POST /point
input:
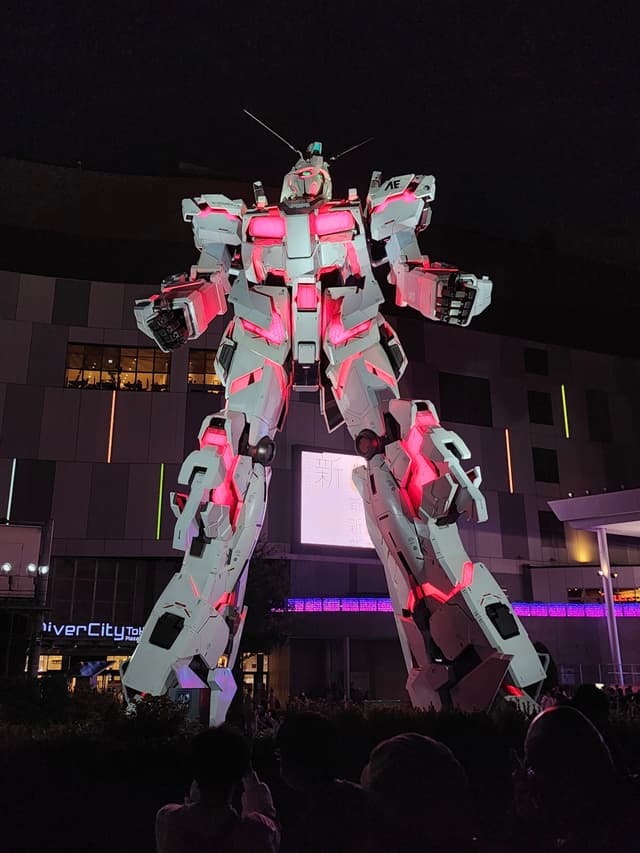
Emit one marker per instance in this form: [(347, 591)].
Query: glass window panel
[(102, 611), (92, 357), (196, 381), (90, 378), (104, 589), (145, 361), (144, 381), (84, 590), (111, 358), (160, 382), (106, 569), (75, 354), (86, 568), (65, 567), (128, 380), (123, 613), (73, 378), (161, 362), (210, 357), (63, 587), (196, 361), (128, 358)]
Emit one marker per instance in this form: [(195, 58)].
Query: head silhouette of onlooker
[(421, 789), (593, 703), (571, 781), (220, 760), (334, 815)]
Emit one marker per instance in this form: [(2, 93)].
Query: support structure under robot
[(306, 317)]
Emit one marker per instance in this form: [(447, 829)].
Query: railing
[(598, 673)]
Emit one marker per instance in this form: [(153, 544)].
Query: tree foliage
[(266, 597)]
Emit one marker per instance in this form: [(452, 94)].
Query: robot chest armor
[(295, 244)]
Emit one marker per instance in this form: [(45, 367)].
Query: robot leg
[(193, 634), (462, 643)]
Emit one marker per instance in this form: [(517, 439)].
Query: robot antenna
[(271, 130), (348, 150)]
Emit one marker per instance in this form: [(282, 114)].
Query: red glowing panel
[(272, 225), (333, 222), (244, 381), (209, 210), (307, 297), (194, 587), (352, 257), (213, 438), (425, 418), (420, 471), (513, 690), (428, 590), (227, 599), (274, 334), (339, 335), (407, 196)]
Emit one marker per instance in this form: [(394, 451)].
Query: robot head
[(309, 179)]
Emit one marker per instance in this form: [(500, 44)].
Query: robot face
[(309, 179)]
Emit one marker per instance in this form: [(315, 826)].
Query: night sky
[(527, 113)]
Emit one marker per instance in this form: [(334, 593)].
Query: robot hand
[(160, 320), (440, 293), (459, 297)]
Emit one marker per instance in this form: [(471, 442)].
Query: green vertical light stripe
[(160, 500), (564, 411)]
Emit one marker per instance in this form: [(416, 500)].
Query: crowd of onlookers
[(571, 788)]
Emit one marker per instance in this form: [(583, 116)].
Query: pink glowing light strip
[(553, 610)]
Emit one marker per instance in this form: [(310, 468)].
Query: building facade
[(94, 424)]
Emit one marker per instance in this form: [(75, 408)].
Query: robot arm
[(188, 303), (398, 210), (437, 291)]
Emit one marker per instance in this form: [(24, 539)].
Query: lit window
[(202, 372), (110, 368)]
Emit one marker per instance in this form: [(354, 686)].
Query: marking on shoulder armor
[(392, 185)]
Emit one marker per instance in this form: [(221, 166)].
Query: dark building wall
[(104, 509)]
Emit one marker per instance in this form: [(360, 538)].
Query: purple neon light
[(553, 610)]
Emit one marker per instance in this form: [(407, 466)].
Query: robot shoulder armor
[(215, 219)]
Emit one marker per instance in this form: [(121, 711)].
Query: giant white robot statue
[(306, 305)]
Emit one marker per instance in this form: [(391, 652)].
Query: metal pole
[(607, 586), (347, 668)]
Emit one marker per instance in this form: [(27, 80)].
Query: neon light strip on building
[(507, 442), (564, 411), (551, 610), (11, 485), (113, 416), (160, 500)]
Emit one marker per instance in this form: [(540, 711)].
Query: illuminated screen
[(331, 510)]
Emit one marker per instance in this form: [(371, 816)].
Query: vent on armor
[(332, 413), (392, 350), (503, 620), (166, 630), (225, 355)]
